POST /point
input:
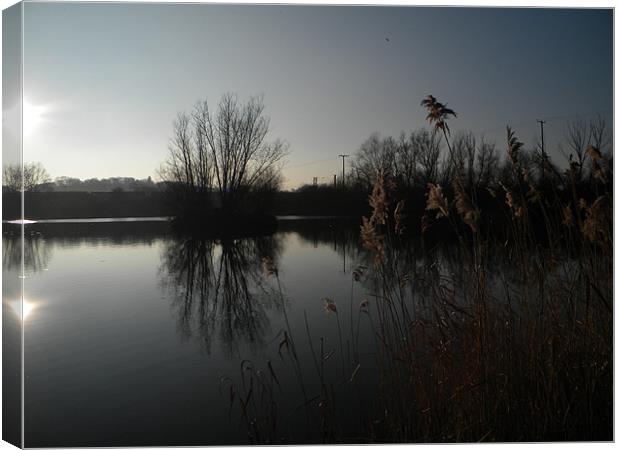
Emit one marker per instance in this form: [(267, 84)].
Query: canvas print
[(230, 224)]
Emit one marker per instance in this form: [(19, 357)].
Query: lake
[(134, 336)]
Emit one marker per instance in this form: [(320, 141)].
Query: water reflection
[(218, 288), (342, 235), (105, 234), (37, 253), (22, 309)]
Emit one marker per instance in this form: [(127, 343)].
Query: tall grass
[(467, 353), (530, 361)]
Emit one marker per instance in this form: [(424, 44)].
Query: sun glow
[(33, 116), (27, 308)]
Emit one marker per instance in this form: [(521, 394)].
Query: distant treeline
[(75, 205), (419, 163), (119, 184)]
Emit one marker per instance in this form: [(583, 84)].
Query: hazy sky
[(103, 82)]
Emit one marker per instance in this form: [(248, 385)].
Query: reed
[(465, 352)]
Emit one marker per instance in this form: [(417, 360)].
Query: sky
[(103, 82)]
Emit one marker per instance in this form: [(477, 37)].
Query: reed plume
[(594, 153), (378, 199), (372, 240), (435, 200), (372, 233), (513, 205), (514, 146), (464, 206), (438, 113), (330, 306), (593, 227)]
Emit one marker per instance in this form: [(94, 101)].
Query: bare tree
[(406, 160), (410, 160), (33, 175), (599, 133), (464, 148), (487, 164), (12, 178), (577, 137), (602, 140), (429, 150), (224, 151), (375, 155)]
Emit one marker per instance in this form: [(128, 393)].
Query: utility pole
[(335, 184), (343, 157), (542, 148)]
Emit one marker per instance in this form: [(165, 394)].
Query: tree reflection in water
[(37, 252), (219, 287)]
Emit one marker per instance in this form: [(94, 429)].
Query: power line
[(546, 119), (310, 163)]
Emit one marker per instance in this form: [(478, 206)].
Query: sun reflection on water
[(27, 309)]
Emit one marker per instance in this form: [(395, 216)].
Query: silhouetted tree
[(578, 136), (464, 147), (429, 150), (487, 164), (224, 151), (376, 154), (127, 184), (33, 175), (412, 160)]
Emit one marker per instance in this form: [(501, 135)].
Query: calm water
[(135, 337)]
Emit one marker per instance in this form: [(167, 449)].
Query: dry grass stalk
[(269, 267), (330, 306), (514, 146), (378, 201), (372, 240), (598, 172), (532, 194), (593, 227), (582, 204), (435, 200), (438, 113), (464, 206), (512, 204), (594, 153)]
